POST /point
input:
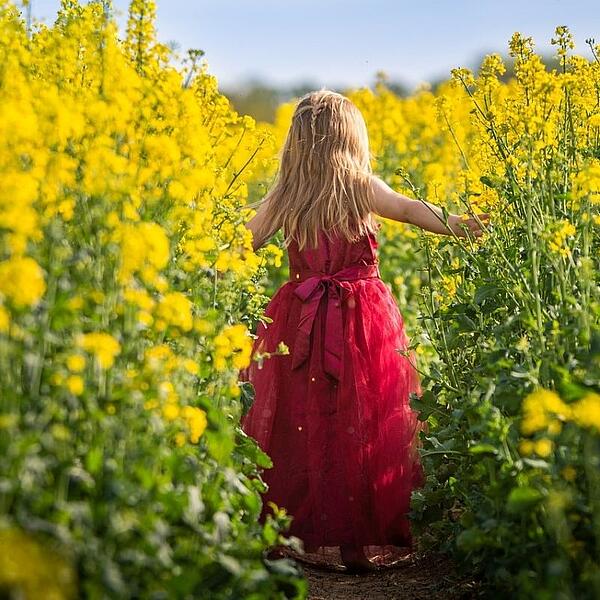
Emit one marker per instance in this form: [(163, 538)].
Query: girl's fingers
[(474, 225), (475, 229)]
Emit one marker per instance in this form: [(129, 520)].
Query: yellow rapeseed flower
[(75, 384), (76, 363), (102, 345), (203, 326), (538, 408), (170, 411), (140, 297), (143, 245), (543, 447), (586, 412), (196, 420), (191, 366), (75, 303), (526, 447), (569, 473), (21, 281), (151, 404), (4, 320), (557, 239), (34, 568), (273, 254), (167, 391), (175, 309), (235, 343)]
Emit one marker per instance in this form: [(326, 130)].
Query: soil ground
[(418, 576)]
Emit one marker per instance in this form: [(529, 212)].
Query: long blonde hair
[(324, 176)]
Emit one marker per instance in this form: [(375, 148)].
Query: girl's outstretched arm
[(393, 205)]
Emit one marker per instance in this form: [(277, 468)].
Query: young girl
[(334, 413)]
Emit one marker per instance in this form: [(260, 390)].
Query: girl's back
[(332, 254)]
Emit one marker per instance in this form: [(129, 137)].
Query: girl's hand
[(457, 222)]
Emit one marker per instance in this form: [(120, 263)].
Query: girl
[(334, 413)]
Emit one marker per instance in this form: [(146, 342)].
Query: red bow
[(310, 291)]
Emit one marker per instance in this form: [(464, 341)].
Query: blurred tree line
[(260, 99)]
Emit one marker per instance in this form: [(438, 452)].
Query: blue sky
[(336, 43)]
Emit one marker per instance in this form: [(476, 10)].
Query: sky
[(340, 43)]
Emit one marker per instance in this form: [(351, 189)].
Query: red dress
[(334, 414)]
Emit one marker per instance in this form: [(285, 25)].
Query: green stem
[(534, 263)]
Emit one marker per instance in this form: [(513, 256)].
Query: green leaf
[(492, 181), (486, 291), (522, 499), (466, 323), (93, 460), (247, 396), (252, 503), (220, 444), (269, 534), (483, 449), (424, 405), (470, 539), (249, 448)]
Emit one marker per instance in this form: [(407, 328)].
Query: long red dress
[(334, 414)]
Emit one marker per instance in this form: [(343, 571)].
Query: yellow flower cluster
[(272, 254), (558, 235), (586, 412), (586, 182), (144, 250), (194, 418), (545, 411), (122, 175), (144, 302), (21, 281), (176, 310), (74, 381), (162, 359), (102, 345), (538, 409), (196, 422), (235, 343), (542, 447), (4, 320), (35, 570), (449, 284)]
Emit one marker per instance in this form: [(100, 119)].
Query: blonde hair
[(324, 176)]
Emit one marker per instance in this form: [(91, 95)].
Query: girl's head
[(324, 178)]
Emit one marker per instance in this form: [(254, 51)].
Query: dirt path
[(418, 577)]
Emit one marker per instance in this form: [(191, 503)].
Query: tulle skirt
[(344, 451)]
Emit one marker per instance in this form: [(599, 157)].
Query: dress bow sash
[(313, 286)]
